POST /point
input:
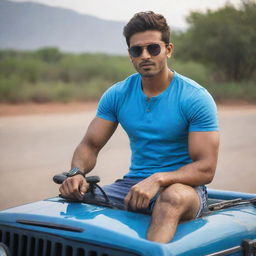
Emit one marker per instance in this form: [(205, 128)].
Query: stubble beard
[(148, 73)]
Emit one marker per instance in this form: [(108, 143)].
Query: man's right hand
[(74, 187)]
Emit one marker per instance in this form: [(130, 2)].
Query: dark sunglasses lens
[(135, 51), (154, 49)]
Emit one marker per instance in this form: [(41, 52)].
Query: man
[(172, 125)]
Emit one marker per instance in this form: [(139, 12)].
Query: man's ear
[(169, 48)]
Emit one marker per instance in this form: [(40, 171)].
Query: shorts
[(117, 191)]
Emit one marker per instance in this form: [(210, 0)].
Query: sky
[(175, 11)]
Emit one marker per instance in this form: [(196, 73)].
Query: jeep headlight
[(4, 251)]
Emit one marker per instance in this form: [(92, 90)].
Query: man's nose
[(145, 54)]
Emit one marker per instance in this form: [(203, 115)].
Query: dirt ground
[(38, 140), (44, 108)]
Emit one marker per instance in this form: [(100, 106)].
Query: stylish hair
[(144, 21)]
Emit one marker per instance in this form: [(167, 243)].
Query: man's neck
[(152, 86)]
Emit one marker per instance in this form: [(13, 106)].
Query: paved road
[(35, 147)]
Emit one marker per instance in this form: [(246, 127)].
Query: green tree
[(224, 39), (49, 55)]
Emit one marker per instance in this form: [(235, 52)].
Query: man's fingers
[(83, 187), (145, 203), (64, 189), (139, 202), (127, 200), (75, 187), (133, 202), (76, 190), (71, 187), (146, 200), (137, 199)]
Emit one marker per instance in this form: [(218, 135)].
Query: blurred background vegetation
[(217, 50)]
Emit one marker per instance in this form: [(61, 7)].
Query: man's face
[(147, 64)]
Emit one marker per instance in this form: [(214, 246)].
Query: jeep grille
[(23, 242)]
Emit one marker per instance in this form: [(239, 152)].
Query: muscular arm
[(203, 149), (98, 133), (85, 156)]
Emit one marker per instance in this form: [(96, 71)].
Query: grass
[(233, 91), (48, 75)]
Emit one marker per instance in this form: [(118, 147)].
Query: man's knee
[(177, 195)]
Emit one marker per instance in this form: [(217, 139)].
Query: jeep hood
[(127, 230)]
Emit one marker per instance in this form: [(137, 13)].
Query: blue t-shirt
[(158, 127)]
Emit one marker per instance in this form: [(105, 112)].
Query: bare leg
[(176, 202)]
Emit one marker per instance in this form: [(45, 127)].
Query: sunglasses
[(153, 50)]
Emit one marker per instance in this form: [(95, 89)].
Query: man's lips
[(146, 64)]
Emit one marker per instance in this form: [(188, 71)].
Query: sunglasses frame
[(147, 47)]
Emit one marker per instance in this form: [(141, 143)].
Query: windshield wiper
[(230, 203)]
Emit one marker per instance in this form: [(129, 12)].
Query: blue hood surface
[(127, 230)]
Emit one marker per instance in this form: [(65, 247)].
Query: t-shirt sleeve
[(106, 106), (201, 112)]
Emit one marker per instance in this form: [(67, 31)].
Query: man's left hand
[(140, 194)]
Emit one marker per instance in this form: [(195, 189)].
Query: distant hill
[(29, 26)]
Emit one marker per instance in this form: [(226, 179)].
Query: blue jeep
[(60, 227)]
